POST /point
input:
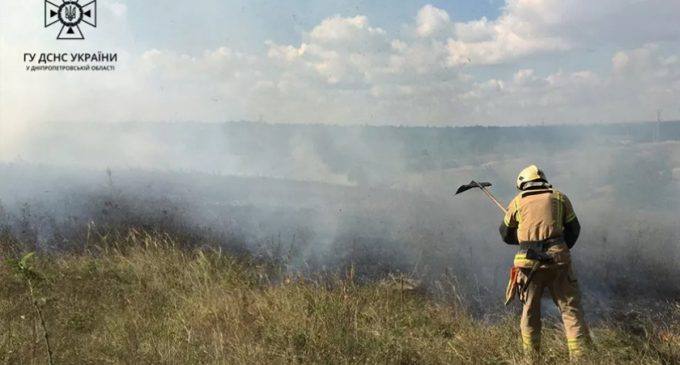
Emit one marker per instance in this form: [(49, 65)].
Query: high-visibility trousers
[(563, 287)]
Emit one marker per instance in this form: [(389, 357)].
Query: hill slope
[(141, 299)]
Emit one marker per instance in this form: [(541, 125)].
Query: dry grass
[(143, 300)]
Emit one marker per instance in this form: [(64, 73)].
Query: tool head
[(471, 185)]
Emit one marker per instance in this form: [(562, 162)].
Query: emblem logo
[(71, 14)]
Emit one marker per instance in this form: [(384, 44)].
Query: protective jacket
[(543, 219)]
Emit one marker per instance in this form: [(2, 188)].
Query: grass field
[(140, 299)]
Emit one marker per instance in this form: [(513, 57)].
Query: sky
[(481, 62)]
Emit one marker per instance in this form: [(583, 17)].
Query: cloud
[(330, 85), (339, 51), (425, 77), (431, 20), (435, 70), (529, 27), (639, 82), (344, 31), (586, 23)]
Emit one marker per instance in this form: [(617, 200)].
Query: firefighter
[(542, 222)]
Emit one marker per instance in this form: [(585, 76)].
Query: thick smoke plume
[(322, 199)]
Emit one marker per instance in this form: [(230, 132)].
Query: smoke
[(309, 166), (322, 198)]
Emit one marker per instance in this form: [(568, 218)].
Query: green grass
[(141, 299)]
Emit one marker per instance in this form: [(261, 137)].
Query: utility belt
[(541, 246), (531, 257), (532, 252)]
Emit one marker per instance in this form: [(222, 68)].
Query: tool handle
[(493, 198)]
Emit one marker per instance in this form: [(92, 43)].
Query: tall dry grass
[(141, 299)]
